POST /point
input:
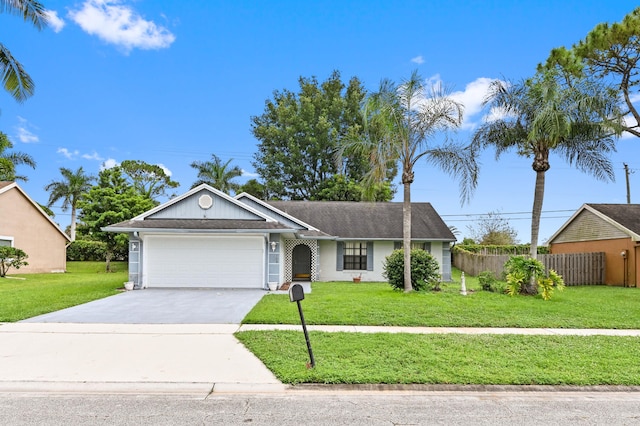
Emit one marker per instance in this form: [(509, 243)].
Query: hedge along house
[(610, 228), (24, 225), (206, 238)]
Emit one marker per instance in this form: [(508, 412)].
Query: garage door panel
[(205, 262)]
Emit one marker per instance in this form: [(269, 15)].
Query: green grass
[(448, 358), (29, 295), (345, 303)]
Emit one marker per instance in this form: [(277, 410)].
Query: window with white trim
[(355, 256)]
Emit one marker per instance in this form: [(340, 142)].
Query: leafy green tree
[(340, 188), (300, 132), (11, 257), (544, 114), (70, 189), (401, 123), (14, 78), (609, 53), (111, 201), (150, 180), (217, 174), (9, 160), (493, 229), (255, 188)]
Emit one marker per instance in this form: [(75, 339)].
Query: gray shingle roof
[(367, 220), (196, 224), (627, 215)]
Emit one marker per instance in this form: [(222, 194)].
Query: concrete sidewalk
[(195, 359)]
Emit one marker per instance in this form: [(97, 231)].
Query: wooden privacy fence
[(575, 268)]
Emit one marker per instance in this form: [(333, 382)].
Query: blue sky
[(171, 82)]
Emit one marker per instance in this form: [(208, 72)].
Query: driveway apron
[(162, 306), (154, 340)]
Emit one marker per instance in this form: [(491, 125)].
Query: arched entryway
[(301, 257)]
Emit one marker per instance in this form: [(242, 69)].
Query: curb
[(319, 387)]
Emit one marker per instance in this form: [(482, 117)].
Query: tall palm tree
[(401, 125), (217, 174), (547, 114), (10, 159), (14, 78), (70, 190)]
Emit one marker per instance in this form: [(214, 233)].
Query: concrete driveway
[(161, 306)]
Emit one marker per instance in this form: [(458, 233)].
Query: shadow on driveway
[(162, 306)]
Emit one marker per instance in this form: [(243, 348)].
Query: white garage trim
[(233, 261)]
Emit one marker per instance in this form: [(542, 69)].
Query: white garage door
[(204, 261)]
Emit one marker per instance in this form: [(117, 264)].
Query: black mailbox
[(296, 293)]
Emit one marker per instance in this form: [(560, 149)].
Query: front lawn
[(28, 295), (346, 303), (448, 358)]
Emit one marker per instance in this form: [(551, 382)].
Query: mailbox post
[(296, 294)]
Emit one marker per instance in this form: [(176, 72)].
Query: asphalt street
[(344, 408)]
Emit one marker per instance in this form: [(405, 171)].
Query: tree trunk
[(536, 213), (108, 257), (406, 236), (72, 228)]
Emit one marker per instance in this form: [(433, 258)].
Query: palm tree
[(216, 174), (14, 78), (400, 125), (547, 114), (9, 160), (70, 190)]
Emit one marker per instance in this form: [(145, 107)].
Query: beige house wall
[(33, 233), (620, 270)]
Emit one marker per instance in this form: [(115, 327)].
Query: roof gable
[(204, 202), (600, 222), (270, 210), (5, 187)]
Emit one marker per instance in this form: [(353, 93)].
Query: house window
[(355, 256), (6, 241)]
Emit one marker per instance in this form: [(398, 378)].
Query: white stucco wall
[(381, 249)]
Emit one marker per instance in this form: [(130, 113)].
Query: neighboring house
[(206, 238), (610, 228), (23, 224)]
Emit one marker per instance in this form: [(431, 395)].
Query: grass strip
[(28, 295), (345, 303), (359, 358)]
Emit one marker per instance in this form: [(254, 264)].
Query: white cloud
[(109, 163), (472, 98), (120, 25), (25, 135), (249, 174), (93, 156), (418, 60), (71, 155), (165, 169), (55, 22)]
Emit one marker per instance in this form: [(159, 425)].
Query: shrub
[(11, 257), (90, 250), (425, 271), (487, 280), (521, 270)]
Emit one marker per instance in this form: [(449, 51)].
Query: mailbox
[(296, 293)]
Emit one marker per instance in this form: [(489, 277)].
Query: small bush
[(425, 271), (487, 280), (11, 257), (521, 270)]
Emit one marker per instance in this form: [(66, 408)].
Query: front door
[(301, 263)]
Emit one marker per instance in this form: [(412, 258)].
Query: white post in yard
[(463, 285)]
